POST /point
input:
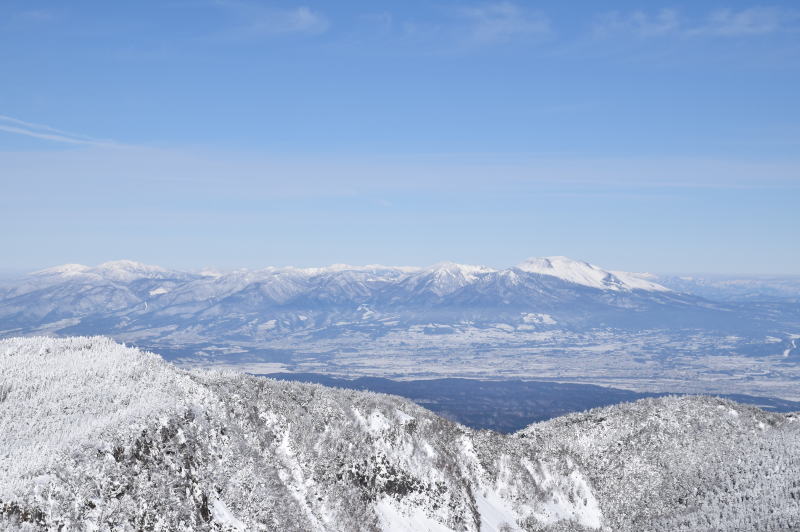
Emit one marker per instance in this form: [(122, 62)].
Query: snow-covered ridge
[(96, 436), (65, 270), (450, 274), (583, 273), (114, 267), (117, 270)]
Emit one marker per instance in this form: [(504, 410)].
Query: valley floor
[(647, 361)]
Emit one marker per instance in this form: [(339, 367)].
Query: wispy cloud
[(256, 20), (249, 175), (719, 23), (40, 131), (638, 23), (751, 21), (503, 21)]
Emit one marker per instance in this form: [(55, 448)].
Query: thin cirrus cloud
[(752, 21), (719, 23), (43, 132), (639, 23), (355, 173), (255, 20), (503, 21)]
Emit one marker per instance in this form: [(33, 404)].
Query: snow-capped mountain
[(140, 292), (97, 436), (586, 274), (118, 270), (444, 278), (133, 301)]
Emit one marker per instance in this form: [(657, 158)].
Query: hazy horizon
[(11, 272)]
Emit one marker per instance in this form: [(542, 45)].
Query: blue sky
[(224, 133)]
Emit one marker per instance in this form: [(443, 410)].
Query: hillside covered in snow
[(98, 436)]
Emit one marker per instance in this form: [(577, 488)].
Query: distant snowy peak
[(65, 270), (308, 272), (369, 268), (463, 269), (452, 270), (583, 273), (447, 277), (128, 270), (441, 278), (120, 270)]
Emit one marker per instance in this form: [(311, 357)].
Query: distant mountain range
[(753, 288), (547, 317), (97, 436), (124, 296)]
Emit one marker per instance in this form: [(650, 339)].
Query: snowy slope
[(685, 464), (585, 274), (96, 436)]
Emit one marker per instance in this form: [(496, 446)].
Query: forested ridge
[(98, 436)]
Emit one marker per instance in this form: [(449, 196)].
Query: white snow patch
[(375, 423), (224, 517), (584, 509), (402, 417), (589, 514), (496, 514), (268, 325), (378, 423), (539, 319), (366, 312), (394, 518), (792, 345)]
